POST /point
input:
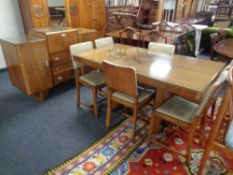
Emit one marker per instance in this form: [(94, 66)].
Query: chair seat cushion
[(142, 95), (179, 108), (229, 137), (93, 78)]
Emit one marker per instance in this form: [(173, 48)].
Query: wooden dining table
[(169, 74)]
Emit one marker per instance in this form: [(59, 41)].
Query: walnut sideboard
[(41, 60)]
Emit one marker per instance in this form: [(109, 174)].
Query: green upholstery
[(179, 108), (142, 95), (93, 78), (102, 42)]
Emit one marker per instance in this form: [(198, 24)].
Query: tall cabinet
[(86, 14), (34, 13)]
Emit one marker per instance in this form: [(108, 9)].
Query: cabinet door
[(61, 41), (35, 66), (100, 14)]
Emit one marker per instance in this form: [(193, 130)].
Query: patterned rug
[(116, 154)]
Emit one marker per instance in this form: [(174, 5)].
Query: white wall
[(10, 22), (54, 3)]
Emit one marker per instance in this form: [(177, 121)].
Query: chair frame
[(154, 36), (190, 127), (225, 106), (130, 32), (131, 90)]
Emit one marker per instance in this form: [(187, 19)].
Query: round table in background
[(225, 48)]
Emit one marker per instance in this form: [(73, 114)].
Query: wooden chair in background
[(123, 92), (154, 36), (154, 48), (130, 36), (102, 42), (213, 144), (186, 115), (94, 80), (215, 38)]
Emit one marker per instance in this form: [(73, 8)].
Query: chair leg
[(134, 121), (154, 121), (95, 104), (109, 109), (77, 87), (190, 142)]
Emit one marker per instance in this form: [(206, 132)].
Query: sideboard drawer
[(64, 76), (62, 68), (61, 41), (60, 58)]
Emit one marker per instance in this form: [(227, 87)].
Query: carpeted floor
[(37, 136)]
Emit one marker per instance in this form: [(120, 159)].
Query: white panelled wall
[(10, 22)]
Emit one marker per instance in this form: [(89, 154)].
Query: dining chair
[(122, 88), (94, 79), (154, 36), (130, 36), (213, 143), (186, 114), (102, 42), (154, 48)]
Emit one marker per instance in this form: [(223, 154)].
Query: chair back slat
[(79, 49), (120, 78), (102, 42)]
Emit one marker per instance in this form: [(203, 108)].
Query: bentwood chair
[(186, 114), (122, 88), (220, 122), (153, 36), (154, 48), (130, 36), (102, 42), (94, 80)]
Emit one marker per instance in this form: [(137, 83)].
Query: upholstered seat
[(229, 137), (94, 78), (179, 108), (102, 42), (142, 95)]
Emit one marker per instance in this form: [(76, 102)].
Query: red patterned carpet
[(116, 154)]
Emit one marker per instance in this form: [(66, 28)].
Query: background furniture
[(34, 14), (154, 36), (224, 48), (86, 14)]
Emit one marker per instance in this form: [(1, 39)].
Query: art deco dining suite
[(179, 89)]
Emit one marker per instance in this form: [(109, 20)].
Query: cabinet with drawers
[(58, 42)]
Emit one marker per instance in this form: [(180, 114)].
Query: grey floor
[(37, 136)]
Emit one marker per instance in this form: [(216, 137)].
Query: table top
[(225, 48), (171, 36), (186, 76)]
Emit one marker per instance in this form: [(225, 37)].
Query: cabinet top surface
[(22, 39), (52, 30)]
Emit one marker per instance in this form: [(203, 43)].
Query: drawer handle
[(60, 78), (57, 58), (63, 35)]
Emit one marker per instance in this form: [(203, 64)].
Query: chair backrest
[(130, 34), (102, 42), (77, 49), (212, 93), (120, 78), (154, 36), (154, 47)]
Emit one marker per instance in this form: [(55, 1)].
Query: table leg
[(161, 96)]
